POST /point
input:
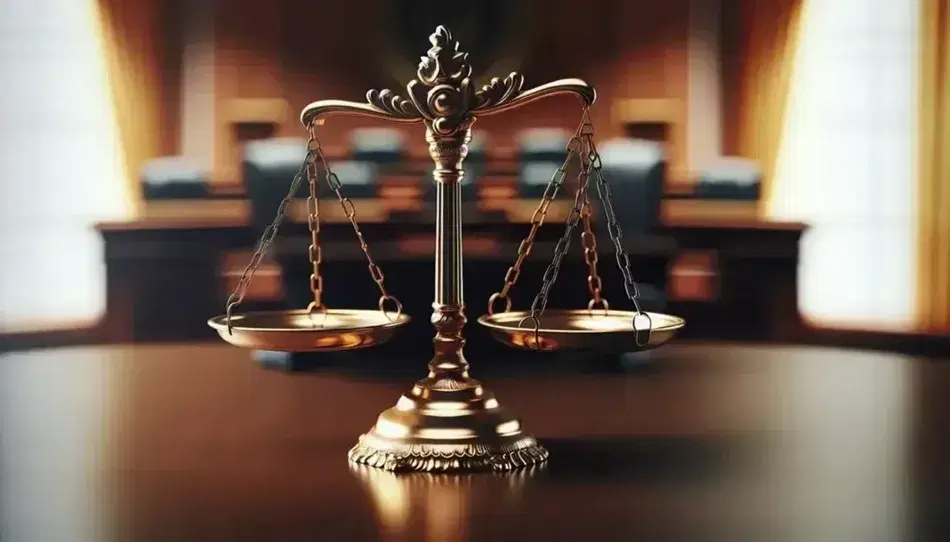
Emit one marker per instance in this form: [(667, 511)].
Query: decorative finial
[(443, 63), (443, 93)]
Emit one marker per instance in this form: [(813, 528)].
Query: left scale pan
[(306, 331), (316, 328)]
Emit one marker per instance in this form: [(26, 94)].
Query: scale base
[(447, 425)]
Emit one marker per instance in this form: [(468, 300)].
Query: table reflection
[(716, 442), (55, 420), (443, 503)]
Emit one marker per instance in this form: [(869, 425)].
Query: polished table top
[(696, 442)]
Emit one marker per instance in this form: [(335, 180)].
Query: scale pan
[(301, 331), (582, 329)]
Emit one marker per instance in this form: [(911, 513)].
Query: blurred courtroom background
[(777, 164)]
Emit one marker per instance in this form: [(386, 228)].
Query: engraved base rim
[(374, 451)]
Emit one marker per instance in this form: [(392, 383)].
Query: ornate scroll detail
[(443, 95), (499, 91), (392, 103), (443, 63), (451, 384), (443, 91), (522, 453), (516, 478)]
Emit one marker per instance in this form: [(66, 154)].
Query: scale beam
[(443, 94)]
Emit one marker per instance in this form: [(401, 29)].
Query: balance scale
[(449, 421)]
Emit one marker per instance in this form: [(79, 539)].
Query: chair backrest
[(382, 146), (474, 165), (543, 144), (357, 177), (635, 170), (269, 166), (476, 147), (172, 177), (730, 177), (541, 151)]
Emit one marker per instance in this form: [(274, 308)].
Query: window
[(59, 162), (846, 165)]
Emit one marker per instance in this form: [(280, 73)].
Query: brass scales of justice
[(449, 421)]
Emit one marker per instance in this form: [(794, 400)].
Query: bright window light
[(60, 166), (846, 165)]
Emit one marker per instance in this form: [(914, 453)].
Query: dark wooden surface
[(163, 279), (705, 442)]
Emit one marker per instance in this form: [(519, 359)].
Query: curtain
[(846, 161), (134, 45), (934, 173), (767, 34), (83, 104), (60, 164)]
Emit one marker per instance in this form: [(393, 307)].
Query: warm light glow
[(447, 513), (447, 409), (391, 430), (445, 434), (61, 164), (392, 498), (405, 404), (847, 160), (508, 428), (594, 323)]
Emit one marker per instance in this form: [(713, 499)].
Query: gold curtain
[(934, 172), (132, 42), (768, 39)]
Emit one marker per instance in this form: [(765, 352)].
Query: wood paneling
[(730, 50), (763, 39), (301, 52), (933, 292), (297, 51), (140, 48)]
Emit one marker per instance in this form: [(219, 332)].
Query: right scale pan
[(597, 327), (583, 329)]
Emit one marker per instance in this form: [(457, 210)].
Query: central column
[(448, 368), (448, 421)]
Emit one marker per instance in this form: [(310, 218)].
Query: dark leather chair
[(541, 151), (269, 166), (635, 170), (359, 178), (730, 178), (474, 164), (172, 177), (385, 147)]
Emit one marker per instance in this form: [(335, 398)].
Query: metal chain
[(589, 240), (270, 232), (563, 245), (537, 220), (613, 227), (560, 250), (350, 211), (590, 164), (583, 179), (313, 223), (616, 236)]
